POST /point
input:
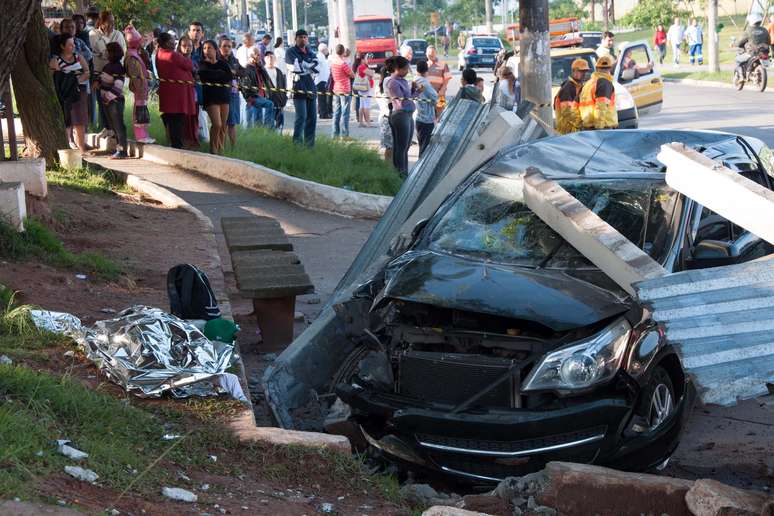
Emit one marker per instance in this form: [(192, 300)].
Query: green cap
[(221, 330)]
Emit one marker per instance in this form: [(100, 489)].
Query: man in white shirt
[(675, 36), (695, 39), (243, 52), (324, 101)]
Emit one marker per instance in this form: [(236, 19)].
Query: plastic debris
[(205, 487), (70, 353), (214, 458), (170, 437), (69, 451), (5, 360), (181, 495), (86, 475), (326, 507), (80, 276)]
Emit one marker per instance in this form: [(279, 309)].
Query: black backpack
[(190, 294)]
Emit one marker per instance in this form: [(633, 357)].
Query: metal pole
[(277, 19), (294, 14), (397, 21), (268, 16), (535, 62), (712, 34), (245, 19), (488, 6)]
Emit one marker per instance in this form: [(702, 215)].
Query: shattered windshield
[(490, 221)]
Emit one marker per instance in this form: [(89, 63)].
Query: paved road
[(749, 113)]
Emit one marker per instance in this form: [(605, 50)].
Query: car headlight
[(388, 54), (592, 361)]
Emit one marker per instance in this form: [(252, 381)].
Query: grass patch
[(87, 179), (722, 76), (344, 164), (40, 242)]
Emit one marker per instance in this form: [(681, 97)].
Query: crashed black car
[(490, 345)]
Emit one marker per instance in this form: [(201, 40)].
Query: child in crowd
[(112, 95), (138, 84)]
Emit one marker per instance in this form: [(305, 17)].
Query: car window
[(561, 67), (489, 220), (486, 42), (634, 64)]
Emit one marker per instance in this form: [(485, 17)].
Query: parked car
[(479, 52), (419, 48), (489, 345)]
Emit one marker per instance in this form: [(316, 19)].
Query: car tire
[(658, 399)]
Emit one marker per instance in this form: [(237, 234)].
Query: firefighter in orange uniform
[(567, 100), (597, 99)]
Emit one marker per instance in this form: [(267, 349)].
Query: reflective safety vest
[(567, 107), (597, 103)]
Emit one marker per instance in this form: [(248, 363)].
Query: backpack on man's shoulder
[(190, 293)]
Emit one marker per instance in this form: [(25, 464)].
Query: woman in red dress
[(176, 100)]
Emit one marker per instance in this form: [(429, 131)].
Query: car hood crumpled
[(558, 299)]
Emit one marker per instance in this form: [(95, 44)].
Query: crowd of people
[(208, 87)]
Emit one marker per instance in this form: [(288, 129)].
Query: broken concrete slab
[(245, 429), (613, 253), (582, 489), (31, 172), (13, 209), (712, 498), (445, 510), (487, 504), (729, 194)]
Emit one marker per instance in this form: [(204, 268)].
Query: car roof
[(614, 154), (575, 51)]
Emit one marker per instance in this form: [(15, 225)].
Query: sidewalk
[(326, 244)]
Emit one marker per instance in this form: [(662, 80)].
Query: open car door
[(635, 70)]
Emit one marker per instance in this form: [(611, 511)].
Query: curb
[(307, 194), (708, 84)]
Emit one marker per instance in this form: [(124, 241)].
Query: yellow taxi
[(639, 89)]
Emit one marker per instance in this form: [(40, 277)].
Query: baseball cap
[(605, 62), (301, 32)]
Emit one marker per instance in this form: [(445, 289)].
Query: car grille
[(377, 55), (542, 444), (451, 378)]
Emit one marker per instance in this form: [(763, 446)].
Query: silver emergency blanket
[(147, 351)]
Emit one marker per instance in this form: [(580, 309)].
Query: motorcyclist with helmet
[(755, 40)]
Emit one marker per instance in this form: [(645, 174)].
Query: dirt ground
[(146, 239)]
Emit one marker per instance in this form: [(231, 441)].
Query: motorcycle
[(752, 70)]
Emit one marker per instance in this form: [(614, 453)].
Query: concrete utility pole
[(488, 6), (294, 14), (268, 15), (712, 35), (535, 62), (245, 18), (277, 19), (398, 37)]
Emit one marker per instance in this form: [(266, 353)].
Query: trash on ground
[(80, 473), (70, 353), (147, 351), (170, 437), (69, 451), (80, 276), (176, 493), (229, 382), (5, 360)]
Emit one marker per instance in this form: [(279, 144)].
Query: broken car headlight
[(591, 361)]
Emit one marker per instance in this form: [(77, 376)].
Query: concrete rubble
[(423, 495), (712, 498)]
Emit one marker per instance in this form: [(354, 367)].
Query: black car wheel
[(661, 398)]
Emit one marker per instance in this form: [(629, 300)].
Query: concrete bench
[(267, 272)]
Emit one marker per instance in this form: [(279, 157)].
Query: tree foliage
[(565, 9), (650, 13), (174, 14)]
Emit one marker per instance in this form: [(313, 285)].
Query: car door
[(635, 70)]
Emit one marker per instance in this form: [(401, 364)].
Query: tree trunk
[(13, 28), (39, 108), (488, 10), (593, 11), (612, 12)]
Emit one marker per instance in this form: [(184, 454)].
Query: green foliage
[(649, 13), (177, 14), (87, 179), (40, 242), (565, 9)]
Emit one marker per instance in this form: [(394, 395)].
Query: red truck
[(375, 29)]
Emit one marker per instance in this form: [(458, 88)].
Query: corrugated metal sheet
[(721, 321)]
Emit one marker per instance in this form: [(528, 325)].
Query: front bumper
[(488, 446)]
